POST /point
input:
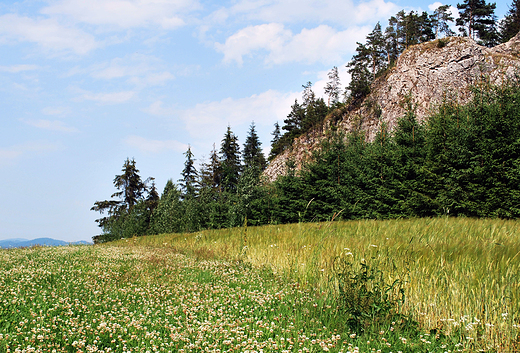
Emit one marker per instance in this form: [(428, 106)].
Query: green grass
[(267, 289)]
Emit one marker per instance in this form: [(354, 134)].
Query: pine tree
[(510, 25), (440, 18), (252, 154), (189, 176), (360, 76), (377, 55), (477, 19), (230, 161), (333, 87)]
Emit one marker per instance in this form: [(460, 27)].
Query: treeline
[(461, 161)]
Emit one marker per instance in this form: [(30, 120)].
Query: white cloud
[(125, 14), (140, 70), (157, 108), (47, 33), (154, 146), (107, 98), (345, 12), (321, 44), (206, 120), (270, 37), (58, 111), (18, 68), (52, 125), (10, 154)]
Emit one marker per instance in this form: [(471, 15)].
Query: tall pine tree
[(477, 20)]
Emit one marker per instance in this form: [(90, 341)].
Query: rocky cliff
[(424, 75)]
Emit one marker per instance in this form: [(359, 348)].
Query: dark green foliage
[(477, 20), (473, 154), (510, 25), (289, 202)]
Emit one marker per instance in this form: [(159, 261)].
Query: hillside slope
[(425, 75)]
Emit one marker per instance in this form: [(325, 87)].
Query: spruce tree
[(230, 161), (210, 173), (510, 25), (252, 154), (189, 176)]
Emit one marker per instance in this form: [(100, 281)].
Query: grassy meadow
[(268, 289)]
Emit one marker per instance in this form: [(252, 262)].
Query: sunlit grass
[(462, 275)]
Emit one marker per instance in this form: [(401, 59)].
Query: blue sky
[(86, 84)]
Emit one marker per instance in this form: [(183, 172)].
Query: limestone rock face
[(424, 76)]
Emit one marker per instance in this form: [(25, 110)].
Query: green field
[(267, 289)]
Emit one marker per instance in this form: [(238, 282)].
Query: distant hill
[(20, 243)]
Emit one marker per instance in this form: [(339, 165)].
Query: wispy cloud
[(154, 146), (138, 69), (56, 111), (158, 108), (47, 33), (125, 14), (18, 68), (12, 153), (107, 98), (51, 125)]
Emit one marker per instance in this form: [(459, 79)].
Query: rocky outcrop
[(424, 76)]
